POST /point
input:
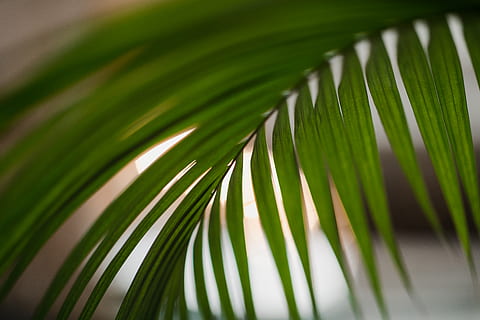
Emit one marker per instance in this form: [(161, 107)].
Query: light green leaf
[(312, 160), (448, 77), (289, 180), (386, 97), (269, 217), (340, 162), (361, 136), (421, 91)]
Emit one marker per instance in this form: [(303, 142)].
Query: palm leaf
[(221, 69), (340, 162), (269, 217), (215, 244), (447, 74), (418, 81), (236, 230), (317, 180), (385, 94), (201, 291), (361, 135), (291, 192)]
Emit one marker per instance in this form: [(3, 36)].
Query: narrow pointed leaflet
[(340, 162), (361, 136), (234, 217), (269, 217), (418, 81), (289, 180), (215, 245), (448, 78), (384, 91), (312, 160)]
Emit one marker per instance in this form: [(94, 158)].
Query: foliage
[(222, 68)]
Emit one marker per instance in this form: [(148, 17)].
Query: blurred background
[(31, 30)]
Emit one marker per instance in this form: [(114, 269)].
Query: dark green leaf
[(173, 66), (132, 202), (114, 266), (151, 183), (471, 31), (146, 290), (174, 292), (215, 245), (198, 267), (236, 230)]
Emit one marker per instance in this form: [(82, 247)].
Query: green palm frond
[(219, 72)]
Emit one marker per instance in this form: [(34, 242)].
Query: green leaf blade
[(385, 94), (448, 77), (146, 290), (471, 32), (289, 180), (114, 266), (421, 91), (235, 225), (312, 160), (361, 136), (339, 159), (198, 267), (140, 193), (215, 245), (269, 217)]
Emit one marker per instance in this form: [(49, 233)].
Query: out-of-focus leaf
[(471, 32), (182, 23), (175, 292), (145, 189), (55, 213), (198, 267), (154, 180), (236, 230), (116, 263), (185, 64), (146, 290), (215, 245)]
